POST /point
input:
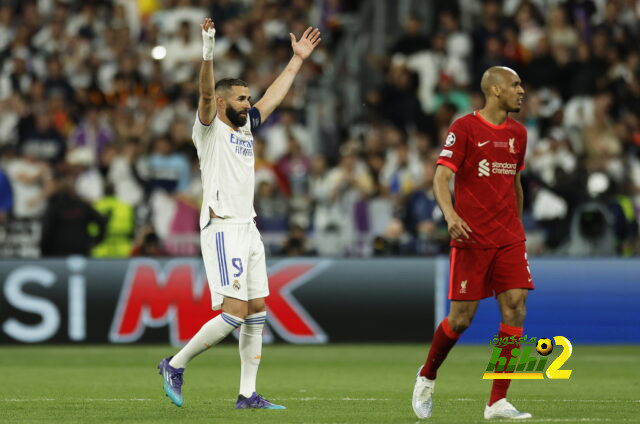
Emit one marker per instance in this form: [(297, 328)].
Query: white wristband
[(208, 41)]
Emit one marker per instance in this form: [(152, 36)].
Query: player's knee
[(257, 305), (238, 313), (521, 311), (460, 323), (237, 308), (514, 313)]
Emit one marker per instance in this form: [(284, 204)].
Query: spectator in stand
[(294, 165), (123, 173), (402, 106), (81, 75), (119, 226), (30, 183), (6, 197), (297, 243), (147, 243), (93, 133), (394, 241), (41, 139), (422, 216), (271, 208), (183, 49), (413, 38), (167, 169), (458, 42), (277, 136), (401, 173), (66, 223)]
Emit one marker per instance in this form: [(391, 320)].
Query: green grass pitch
[(319, 384)]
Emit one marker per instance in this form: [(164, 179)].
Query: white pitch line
[(570, 420), (78, 400), (311, 399), (573, 420), (557, 400)]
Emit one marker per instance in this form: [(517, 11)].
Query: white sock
[(250, 351), (209, 334)]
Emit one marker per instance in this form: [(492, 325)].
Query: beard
[(238, 119), (510, 108)]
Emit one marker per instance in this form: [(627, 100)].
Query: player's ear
[(495, 89)]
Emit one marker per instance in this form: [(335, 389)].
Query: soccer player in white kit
[(232, 249)]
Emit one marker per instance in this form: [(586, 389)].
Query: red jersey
[(485, 158)]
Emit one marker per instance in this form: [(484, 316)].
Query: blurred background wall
[(312, 300)]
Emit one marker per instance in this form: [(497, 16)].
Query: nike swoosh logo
[(483, 143)]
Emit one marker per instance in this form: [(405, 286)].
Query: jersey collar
[(489, 124)]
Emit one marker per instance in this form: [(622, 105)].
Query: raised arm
[(458, 228), (207, 100), (279, 88)]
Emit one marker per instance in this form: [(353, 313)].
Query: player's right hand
[(458, 228), (208, 38), (206, 24)]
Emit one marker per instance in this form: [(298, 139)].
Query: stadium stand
[(103, 94)]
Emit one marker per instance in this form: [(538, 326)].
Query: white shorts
[(234, 259)]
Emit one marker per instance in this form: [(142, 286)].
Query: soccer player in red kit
[(485, 150)]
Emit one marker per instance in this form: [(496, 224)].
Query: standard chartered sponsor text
[(503, 168)]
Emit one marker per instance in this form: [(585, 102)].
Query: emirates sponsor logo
[(504, 168)]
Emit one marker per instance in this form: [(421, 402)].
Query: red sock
[(500, 387), (443, 340)]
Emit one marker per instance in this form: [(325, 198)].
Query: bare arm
[(207, 100), (457, 226), (279, 88), (519, 195)]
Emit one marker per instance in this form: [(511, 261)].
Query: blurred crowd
[(97, 101)]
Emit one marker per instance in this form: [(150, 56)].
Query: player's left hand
[(309, 40)]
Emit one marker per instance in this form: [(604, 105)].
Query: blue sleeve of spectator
[(254, 118), (184, 174), (6, 194)]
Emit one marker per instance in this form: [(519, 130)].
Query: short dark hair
[(226, 83)]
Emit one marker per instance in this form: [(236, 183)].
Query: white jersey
[(227, 167)]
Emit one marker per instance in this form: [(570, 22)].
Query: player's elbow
[(442, 177)]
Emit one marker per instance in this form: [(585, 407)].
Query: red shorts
[(475, 274)]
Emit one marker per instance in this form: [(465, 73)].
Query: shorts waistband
[(220, 221)]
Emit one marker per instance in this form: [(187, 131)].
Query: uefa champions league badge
[(451, 139), (521, 364)]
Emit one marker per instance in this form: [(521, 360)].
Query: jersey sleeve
[(455, 147), (254, 118), (200, 130), (523, 150)]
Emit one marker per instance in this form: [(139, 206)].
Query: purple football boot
[(256, 401), (172, 380)]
